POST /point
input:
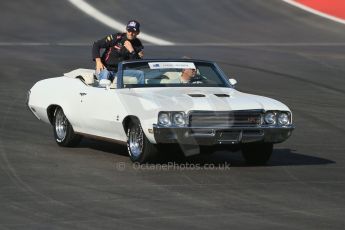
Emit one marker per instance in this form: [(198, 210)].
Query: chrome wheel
[(63, 131), (135, 140), (61, 124), (140, 149)]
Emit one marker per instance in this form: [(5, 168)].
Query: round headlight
[(283, 119), (270, 118), (164, 119), (179, 119)]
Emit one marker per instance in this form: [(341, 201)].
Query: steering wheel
[(198, 78)]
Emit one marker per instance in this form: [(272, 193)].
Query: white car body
[(101, 111)]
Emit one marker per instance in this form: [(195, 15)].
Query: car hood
[(195, 98)]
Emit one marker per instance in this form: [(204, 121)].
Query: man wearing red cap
[(118, 47)]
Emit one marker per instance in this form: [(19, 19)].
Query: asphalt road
[(271, 48)]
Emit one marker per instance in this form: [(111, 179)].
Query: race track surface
[(270, 47)]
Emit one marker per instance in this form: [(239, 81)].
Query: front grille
[(248, 118)]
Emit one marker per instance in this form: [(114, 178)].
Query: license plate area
[(231, 136)]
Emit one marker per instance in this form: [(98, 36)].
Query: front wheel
[(63, 130), (257, 153), (140, 149)]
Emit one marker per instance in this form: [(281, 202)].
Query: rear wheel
[(63, 130), (257, 153), (140, 149)]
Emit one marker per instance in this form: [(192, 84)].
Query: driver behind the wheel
[(187, 75)]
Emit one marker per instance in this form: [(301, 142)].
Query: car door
[(100, 109)]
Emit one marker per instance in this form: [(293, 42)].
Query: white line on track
[(234, 44), (311, 10), (258, 44), (112, 23)]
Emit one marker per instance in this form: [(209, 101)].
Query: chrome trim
[(223, 75), (95, 137), (224, 135)]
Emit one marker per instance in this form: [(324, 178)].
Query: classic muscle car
[(148, 106)]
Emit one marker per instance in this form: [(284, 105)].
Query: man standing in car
[(118, 47)]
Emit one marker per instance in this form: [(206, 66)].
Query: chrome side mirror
[(233, 82)]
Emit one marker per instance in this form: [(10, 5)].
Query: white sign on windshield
[(172, 65)]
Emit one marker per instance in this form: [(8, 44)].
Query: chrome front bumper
[(215, 136)]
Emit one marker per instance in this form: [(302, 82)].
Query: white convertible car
[(149, 107)]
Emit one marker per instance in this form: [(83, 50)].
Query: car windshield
[(172, 74)]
